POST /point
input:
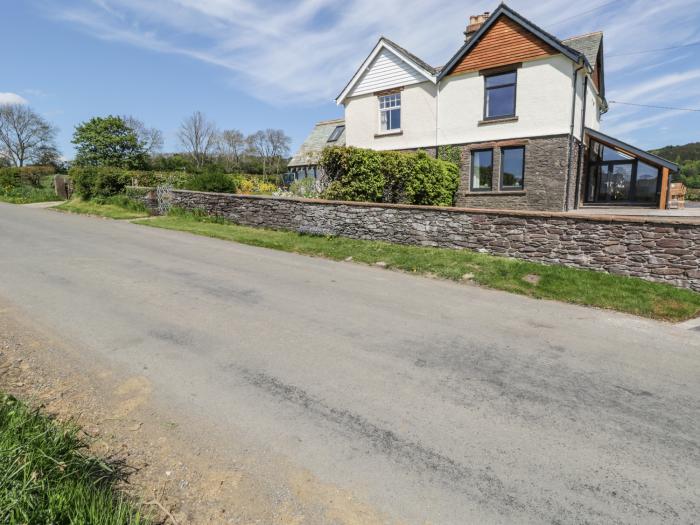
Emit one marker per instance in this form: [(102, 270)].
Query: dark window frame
[(334, 137), (471, 170), (497, 73), (502, 186)]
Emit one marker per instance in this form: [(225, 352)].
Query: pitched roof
[(588, 44), (591, 45), (410, 55), (504, 10), (310, 151), (644, 155), (384, 43)]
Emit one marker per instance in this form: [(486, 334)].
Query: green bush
[(388, 176), (90, 181), (306, 188), (24, 176), (213, 181), (353, 174)]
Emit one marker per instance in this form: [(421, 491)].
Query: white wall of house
[(362, 121), (455, 115), (543, 104)]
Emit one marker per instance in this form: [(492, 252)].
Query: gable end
[(506, 42)]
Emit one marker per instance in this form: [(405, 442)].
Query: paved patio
[(692, 210)]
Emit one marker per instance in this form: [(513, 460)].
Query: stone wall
[(544, 178), (656, 249)]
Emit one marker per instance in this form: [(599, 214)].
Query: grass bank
[(46, 477), (118, 207), (624, 294)]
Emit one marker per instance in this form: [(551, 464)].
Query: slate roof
[(310, 151), (410, 55), (588, 44)]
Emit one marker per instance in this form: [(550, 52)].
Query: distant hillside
[(679, 154)]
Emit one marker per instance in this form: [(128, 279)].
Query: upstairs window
[(500, 95), (482, 170), (337, 132), (390, 112)]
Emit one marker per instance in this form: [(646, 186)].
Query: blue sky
[(275, 64)]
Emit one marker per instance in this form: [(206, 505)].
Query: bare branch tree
[(151, 139), (271, 146), (232, 145), (25, 136), (261, 147), (198, 137), (279, 146)]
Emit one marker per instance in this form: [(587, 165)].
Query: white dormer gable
[(386, 67)]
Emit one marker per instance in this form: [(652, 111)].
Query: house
[(524, 108), (305, 162)]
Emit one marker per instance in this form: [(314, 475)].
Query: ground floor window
[(617, 178), (482, 169), (512, 168)]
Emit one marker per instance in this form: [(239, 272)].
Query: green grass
[(624, 294), (118, 207), (47, 478), (27, 194)]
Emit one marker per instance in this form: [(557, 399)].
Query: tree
[(198, 137), (151, 139), (108, 141), (232, 145), (25, 136), (279, 145), (270, 145)]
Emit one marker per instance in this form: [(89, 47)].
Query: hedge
[(24, 176), (357, 174)]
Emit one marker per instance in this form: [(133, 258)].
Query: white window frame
[(388, 103)]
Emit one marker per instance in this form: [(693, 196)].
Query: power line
[(654, 50), (654, 107), (584, 13)]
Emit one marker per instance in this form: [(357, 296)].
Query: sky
[(256, 64)]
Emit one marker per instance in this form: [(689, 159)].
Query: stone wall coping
[(689, 221)]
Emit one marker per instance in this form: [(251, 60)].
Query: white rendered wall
[(418, 114)]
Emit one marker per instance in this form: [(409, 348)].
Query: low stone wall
[(656, 249)]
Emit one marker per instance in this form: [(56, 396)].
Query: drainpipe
[(571, 138), (577, 188), (437, 116)]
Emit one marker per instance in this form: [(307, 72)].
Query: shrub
[(216, 182), (388, 176), (248, 185), (24, 176), (90, 182), (308, 188), (353, 174)]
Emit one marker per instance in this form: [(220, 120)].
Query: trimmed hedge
[(357, 174)]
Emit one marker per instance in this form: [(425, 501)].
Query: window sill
[(391, 133), (495, 193), (498, 120)]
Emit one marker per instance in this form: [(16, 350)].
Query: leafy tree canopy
[(108, 141)]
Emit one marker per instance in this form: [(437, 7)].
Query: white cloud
[(12, 98), (305, 51)]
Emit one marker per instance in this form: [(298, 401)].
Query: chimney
[(475, 23)]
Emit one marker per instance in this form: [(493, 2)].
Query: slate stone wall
[(653, 248), (546, 167)]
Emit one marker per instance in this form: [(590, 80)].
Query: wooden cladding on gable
[(506, 42)]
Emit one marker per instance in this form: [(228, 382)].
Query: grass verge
[(584, 287), (118, 207), (45, 476)]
